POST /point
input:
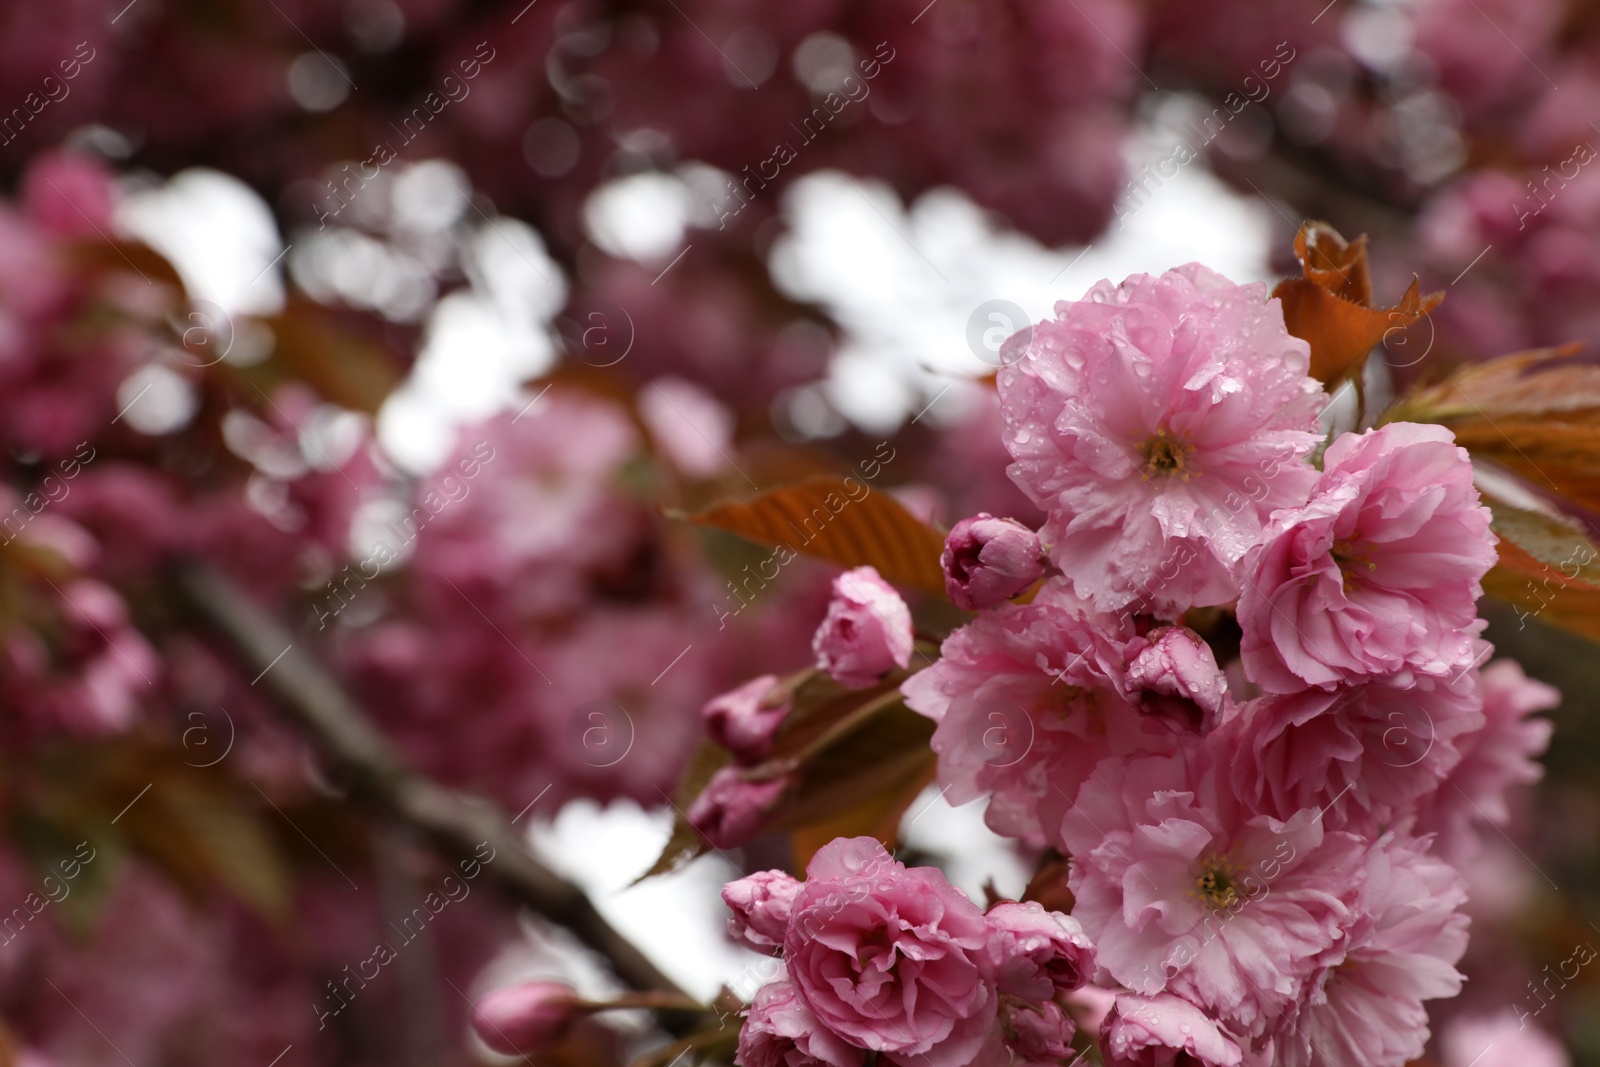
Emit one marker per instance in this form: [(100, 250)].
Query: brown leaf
[(842, 520), (876, 815), (685, 843), (1330, 308), (340, 356), (856, 759), (1549, 569), (103, 256), (1536, 413), (197, 825)]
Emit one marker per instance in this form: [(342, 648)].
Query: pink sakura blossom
[(1500, 1040), (1164, 1031), (1028, 699), (780, 1031), (1038, 1033), (1378, 574), (897, 961), (1500, 755), (1362, 755), (761, 904), (1159, 423), (1041, 952), (688, 425), (1365, 1005), (1173, 676), (522, 1019), (526, 515), (892, 958), (987, 560), (731, 808), (744, 720), (1183, 891), (70, 194), (867, 631)]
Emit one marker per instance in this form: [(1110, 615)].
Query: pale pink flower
[(527, 1018), (526, 512), (892, 959), (1173, 676), (1366, 1004), (1028, 701), (760, 903), (1164, 1031), (744, 720), (1378, 574), (1500, 1040), (780, 1031), (1183, 891), (1160, 423), (1041, 952), (1495, 758), (1363, 755), (988, 560), (867, 631), (689, 426)]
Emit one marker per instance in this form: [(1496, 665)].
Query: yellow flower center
[(1165, 455), (1351, 557), (1216, 883)]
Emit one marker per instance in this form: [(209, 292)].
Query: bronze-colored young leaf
[(198, 825), (863, 774), (855, 758), (1549, 569), (1535, 413), (685, 843), (342, 357), (1331, 308), (841, 520)]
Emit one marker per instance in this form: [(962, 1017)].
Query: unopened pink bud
[(523, 1019)]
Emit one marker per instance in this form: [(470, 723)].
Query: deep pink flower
[(730, 810), (988, 560), (867, 631), (1378, 574), (1038, 1033), (1164, 1031), (1499, 755), (1365, 1005), (526, 1018), (760, 903), (1040, 952), (1184, 891), (892, 959), (1028, 700), (744, 720), (780, 1031), (1363, 754), (70, 194), (1159, 423), (1173, 676)]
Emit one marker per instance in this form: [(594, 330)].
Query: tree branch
[(454, 823)]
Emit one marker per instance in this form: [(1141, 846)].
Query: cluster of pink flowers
[(894, 960), (1262, 805)]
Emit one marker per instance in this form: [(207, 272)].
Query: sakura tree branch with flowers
[(1261, 765)]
